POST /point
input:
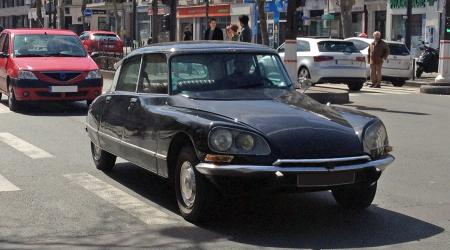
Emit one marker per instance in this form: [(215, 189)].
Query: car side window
[(129, 75), (303, 46), (5, 48), (360, 45), (2, 41), (154, 74)]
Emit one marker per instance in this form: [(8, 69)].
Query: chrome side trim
[(143, 150), (246, 170), (325, 160)]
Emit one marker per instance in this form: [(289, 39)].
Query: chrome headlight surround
[(26, 75), (375, 139), (94, 74), (237, 142)]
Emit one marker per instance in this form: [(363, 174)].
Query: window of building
[(67, 11)]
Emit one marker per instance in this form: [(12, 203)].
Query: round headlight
[(375, 139), (221, 139), (245, 142)]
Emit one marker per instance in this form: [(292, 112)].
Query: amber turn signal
[(219, 158)]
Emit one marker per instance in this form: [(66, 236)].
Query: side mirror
[(303, 83), (3, 55)]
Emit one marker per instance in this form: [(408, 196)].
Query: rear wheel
[(355, 86), (103, 160), (304, 72), (13, 103), (194, 192), (355, 197)]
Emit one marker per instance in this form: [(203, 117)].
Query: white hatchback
[(329, 61), (398, 66)]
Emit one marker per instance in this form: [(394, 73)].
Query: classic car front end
[(230, 122)]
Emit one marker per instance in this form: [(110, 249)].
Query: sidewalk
[(425, 79)]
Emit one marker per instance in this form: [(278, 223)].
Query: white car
[(397, 68), (329, 61)]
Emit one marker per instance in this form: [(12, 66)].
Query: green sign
[(327, 17), (448, 30), (397, 4)]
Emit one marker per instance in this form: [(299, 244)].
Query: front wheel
[(356, 197), (398, 83), (194, 193), (103, 160), (355, 86), (13, 103)]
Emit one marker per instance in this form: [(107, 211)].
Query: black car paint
[(294, 125)]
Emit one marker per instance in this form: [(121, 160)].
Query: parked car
[(329, 61), (397, 68), (218, 118), (46, 64), (102, 41)]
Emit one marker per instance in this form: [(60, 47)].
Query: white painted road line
[(4, 109), (7, 186), (24, 147), (148, 214)]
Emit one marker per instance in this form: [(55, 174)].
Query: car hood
[(55, 63), (295, 125)]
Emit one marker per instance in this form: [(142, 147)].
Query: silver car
[(329, 61), (397, 68)]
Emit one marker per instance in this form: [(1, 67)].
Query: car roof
[(40, 32), (319, 39), (100, 32), (203, 46)]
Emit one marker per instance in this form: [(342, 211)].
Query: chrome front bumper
[(249, 170)]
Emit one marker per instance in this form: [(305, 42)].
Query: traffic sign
[(87, 12)]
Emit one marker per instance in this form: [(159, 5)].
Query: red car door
[(4, 57)]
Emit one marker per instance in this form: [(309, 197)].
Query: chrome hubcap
[(304, 73), (97, 151), (187, 184)]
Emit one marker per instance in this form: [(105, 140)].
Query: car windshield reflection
[(226, 71)]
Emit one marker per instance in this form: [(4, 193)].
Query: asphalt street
[(51, 195)]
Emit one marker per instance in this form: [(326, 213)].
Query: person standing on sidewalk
[(246, 32), (378, 53), (213, 32)]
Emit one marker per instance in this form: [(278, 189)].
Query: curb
[(107, 74), (435, 90)]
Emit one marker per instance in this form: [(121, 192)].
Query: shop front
[(195, 18), (424, 23)]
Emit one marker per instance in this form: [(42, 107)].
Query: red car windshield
[(37, 45)]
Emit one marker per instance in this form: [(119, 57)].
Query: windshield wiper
[(29, 55), (63, 55)]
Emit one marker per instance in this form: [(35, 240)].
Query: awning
[(219, 10)]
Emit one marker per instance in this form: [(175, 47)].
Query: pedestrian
[(246, 32), (213, 32), (378, 53), (187, 34), (232, 32)]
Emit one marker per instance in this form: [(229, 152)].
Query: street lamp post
[(133, 22)]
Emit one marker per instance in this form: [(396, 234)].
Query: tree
[(116, 18), (346, 17), (263, 22), (155, 22), (39, 12), (61, 14)]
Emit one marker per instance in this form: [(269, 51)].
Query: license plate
[(325, 179), (63, 89), (344, 62)]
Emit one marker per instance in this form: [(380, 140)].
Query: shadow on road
[(310, 220), (52, 108), (366, 108)]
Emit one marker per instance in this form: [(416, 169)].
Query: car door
[(4, 47), (142, 117), (116, 108)]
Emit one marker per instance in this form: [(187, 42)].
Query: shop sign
[(200, 11), (398, 4), (329, 17)]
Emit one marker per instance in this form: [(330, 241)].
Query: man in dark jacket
[(378, 53), (213, 33), (246, 32)]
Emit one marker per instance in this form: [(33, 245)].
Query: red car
[(46, 64), (102, 41)]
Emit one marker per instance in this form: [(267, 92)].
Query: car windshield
[(102, 36), (225, 71), (337, 46), (48, 45), (396, 49)]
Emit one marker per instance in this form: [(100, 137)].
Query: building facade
[(14, 13)]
